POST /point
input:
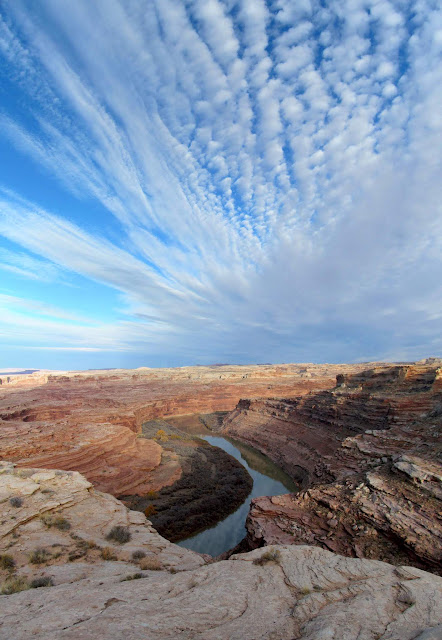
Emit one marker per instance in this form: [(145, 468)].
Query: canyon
[(89, 421), (354, 555)]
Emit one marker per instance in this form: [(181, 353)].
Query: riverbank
[(212, 486)]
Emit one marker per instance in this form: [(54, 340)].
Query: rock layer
[(89, 421), (280, 593), (369, 449)]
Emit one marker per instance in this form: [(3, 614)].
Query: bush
[(150, 510), (133, 576), (151, 563), (272, 555), (38, 556), (108, 554), (14, 585), (137, 555), (45, 581), (55, 521), (15, 501), (7, 562), (119, 534)]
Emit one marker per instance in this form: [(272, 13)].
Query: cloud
[(273, 170)]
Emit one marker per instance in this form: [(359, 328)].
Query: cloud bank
[(270, 177)]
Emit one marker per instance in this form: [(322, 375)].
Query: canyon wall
[(89, 421), (368, 455)]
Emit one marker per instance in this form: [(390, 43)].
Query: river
[(268, 480)]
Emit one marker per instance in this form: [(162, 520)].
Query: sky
[(201, 181)]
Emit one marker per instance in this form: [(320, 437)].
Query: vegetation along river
[(268, 480)]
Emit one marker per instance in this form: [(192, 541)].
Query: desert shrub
[(151, 563), (119, 534), (15, 501), (150, 510), (133, 576), (7, 562), (304, 591), (161, 435), (272, 555), (14, 585), (152, 494), (38, 556), (108, 554), (45, 581), (76, 555), (137, 555), (55, 521)]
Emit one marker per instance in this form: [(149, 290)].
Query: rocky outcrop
[(369, 450), (89, 421), (63, 516), (279, 593)]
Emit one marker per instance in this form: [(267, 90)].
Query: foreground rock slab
[(276, 593), (306, 593)]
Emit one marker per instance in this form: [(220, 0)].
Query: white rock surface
[(305, 593)]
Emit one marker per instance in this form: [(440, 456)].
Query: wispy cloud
[(273, 169)]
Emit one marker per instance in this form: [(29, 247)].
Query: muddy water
[(268, 480)]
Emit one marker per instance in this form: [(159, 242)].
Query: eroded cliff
[(369, 450)]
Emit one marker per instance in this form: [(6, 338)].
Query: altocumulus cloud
[(268, 176)]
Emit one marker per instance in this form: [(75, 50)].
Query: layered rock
[(280, 593), (369, 450), (89, 421)]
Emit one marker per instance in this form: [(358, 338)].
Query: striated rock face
[(89, 421), (369, 449), (280, 593)]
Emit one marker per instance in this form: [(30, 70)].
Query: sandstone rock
[(308, 594), (62, 513), (89, 421), (384, 481)]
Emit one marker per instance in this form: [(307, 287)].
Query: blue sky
[(206, 181)]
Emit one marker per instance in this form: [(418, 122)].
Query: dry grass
[(107, 553), (7, 562), (39, 556), (272, 555), (151, 563), (119, 534), (14, 585), (56, 521)]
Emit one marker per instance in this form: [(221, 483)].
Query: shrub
[(152, 494), (304, 591), (150, 510), (161, 435), (137, 555), (272, 555), (119, 534), (108, 554), (45, 581), (133, 576), (14, 585), (7, 562), (15, 501), (151, 563), (55, 521), (38, 556)]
